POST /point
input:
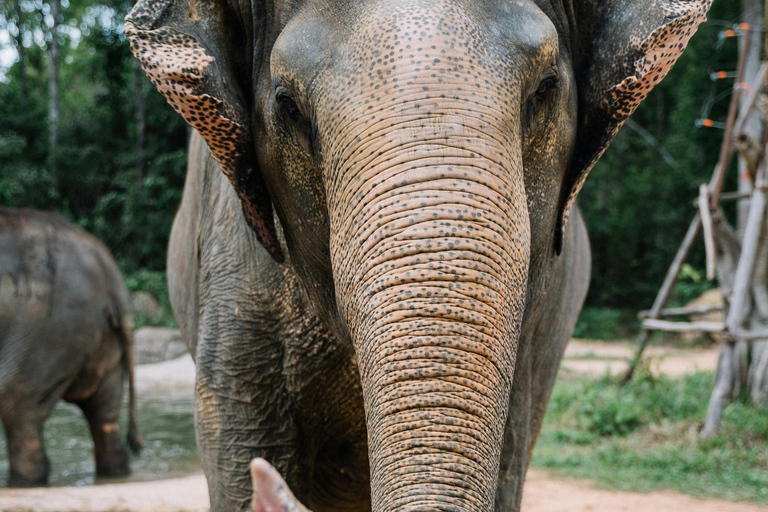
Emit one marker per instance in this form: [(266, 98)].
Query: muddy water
[(165, 422)]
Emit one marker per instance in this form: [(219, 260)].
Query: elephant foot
[(270, 492), (17, 480), (113, 471)]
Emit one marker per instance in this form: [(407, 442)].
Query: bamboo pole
[(750, 101), (715, 190)]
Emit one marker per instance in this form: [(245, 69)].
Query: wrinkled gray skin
[(394, 347), (66, 332), (273, 382)]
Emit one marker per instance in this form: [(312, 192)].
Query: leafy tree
[(123, 189)]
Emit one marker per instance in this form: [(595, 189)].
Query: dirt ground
[(190, 494), (543, 492), (597, 357)]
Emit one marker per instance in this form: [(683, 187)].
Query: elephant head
[(422, 157)]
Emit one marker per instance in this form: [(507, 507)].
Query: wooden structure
[(731, 259)]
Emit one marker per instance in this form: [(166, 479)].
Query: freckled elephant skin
[(65, 332), (390, 342)]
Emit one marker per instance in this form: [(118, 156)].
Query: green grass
[(643, 437)]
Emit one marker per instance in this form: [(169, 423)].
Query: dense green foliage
[(99, 182), (643, 437), (636, 203), (637, 206)]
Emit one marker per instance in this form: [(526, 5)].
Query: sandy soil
[(190, 494), (543, 493), (175, 375), (597, 357)]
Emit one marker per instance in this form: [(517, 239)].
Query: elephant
[(377, 261), (66, 331)]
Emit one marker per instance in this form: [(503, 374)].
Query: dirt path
[(597, 357), (546, 494), (543, 493), (190, 494)]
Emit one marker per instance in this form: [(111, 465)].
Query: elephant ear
[(623, 48), (185, 48)]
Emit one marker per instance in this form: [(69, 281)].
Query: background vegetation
[(644, 437), (118, 163)]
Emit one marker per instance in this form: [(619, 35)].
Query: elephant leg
[(538, 359), (241, 420), (29, 463), (23, 411), (102, 410)]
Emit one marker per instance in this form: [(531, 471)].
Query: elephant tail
[(125, 330), (134, 438)]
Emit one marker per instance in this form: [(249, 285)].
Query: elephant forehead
[(449, 36), (427, 61)]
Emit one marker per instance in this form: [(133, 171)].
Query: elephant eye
[(287, 105), (539, 110), (545, 87)]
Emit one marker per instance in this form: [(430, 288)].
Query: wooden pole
[(716, 183), (750, 100), (710, 327), (686, 311), (706, 228), (666, 325), (740, 306), (715, 190), (666, 288)]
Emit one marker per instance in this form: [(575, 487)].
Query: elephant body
[(66, 332), (296, 398), (378, 261)]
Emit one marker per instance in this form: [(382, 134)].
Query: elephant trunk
[(430, 270)]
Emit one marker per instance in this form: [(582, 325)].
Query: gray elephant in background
[(388, 337), (66, 332)]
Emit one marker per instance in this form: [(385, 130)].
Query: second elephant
[(66, 332)]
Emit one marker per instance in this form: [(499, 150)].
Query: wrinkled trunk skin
[(434, 333), (430, 251)]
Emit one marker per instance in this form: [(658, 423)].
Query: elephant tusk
[(270, 492)]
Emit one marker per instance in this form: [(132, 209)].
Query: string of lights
[(730, 31)]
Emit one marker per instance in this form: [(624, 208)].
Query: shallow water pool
[(165, 422)]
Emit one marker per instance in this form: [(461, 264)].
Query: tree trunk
[(53, 88), (20, 48)]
